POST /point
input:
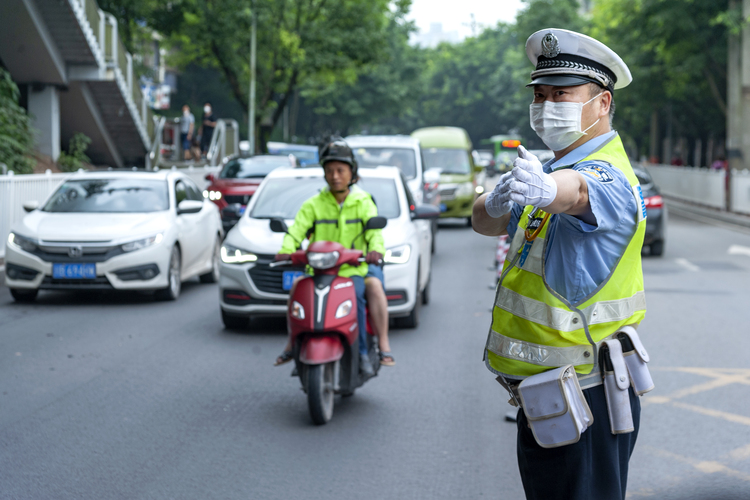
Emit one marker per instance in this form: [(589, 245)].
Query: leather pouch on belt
[(555, 407), (636, 358), (616, 384)]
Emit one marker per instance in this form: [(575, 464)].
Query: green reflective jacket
[(342, 224)]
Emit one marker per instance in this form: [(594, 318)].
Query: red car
[(237, 181)]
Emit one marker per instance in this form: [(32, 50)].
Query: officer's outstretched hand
[(530, 184), (498, 202)]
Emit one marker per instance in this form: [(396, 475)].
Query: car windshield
[(259, 166), (284, 197), (644, 178), (109, 196), (403, 158), (303, 157), (448, 161)]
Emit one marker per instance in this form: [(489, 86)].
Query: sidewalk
[(708, 215)]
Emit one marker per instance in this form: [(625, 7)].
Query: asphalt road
[(117, 396)]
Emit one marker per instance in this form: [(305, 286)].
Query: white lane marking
[(738, 250), (687, 264)]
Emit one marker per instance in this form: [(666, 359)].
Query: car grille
[(98, 283), (90, 252), (242, 199), (448, 193), (269, 279)]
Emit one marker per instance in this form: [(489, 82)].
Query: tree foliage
[(16, 134)]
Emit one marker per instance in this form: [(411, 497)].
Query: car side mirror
[(232, 211), (189, 207), (278, 225), (425, 212), (209, 177), (31, 205), (377, 222)]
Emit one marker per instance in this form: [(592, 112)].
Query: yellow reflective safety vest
[(535, 329)]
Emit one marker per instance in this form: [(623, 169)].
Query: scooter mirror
[(278, 226), (376, 223)]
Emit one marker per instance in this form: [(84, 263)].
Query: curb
[(707, 214)]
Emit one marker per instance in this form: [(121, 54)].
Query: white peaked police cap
[(565, 58)]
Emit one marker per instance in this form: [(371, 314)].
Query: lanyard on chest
[(537, 220)]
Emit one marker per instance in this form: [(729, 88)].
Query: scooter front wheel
[(320, 392)]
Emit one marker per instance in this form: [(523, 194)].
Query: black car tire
[(656, 248), (426, 292), (172, 291), (213, 275), (468, 221), (20, 295), (232, 322)]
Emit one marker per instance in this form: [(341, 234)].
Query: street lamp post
[(251, 99)]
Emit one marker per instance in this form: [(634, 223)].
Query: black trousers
[(596, 467)]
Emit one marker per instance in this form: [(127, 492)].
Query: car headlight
[(397, 255), (21, 242), (233, 255), (344, 309), (465, 189), (479, 189), (298, 312), (320, 260), (132, 246), (212, 195)]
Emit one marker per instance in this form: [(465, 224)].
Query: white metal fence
[(741, 191), (15, 190), (697, 185)]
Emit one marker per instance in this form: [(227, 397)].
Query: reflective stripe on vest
[(534, 328)]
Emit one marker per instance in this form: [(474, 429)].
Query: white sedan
[(249, 287), (115, 230)]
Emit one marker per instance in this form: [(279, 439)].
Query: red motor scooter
[(322, 323)]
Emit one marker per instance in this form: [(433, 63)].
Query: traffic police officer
[(573, 275)]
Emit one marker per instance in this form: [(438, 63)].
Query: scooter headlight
[(232, 255), (320, 260), (344, 309), (298, 312), (398, 255)]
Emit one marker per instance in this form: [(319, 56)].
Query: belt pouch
[(555, 407), (616, 383), (636, 359)]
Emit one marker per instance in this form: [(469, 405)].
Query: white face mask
[(207, 109), (558, 124)]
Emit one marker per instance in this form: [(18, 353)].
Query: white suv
[(249, 287)]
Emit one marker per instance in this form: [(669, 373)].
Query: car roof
[(381, 140), (124, 174), (443, 137), (383, 172)]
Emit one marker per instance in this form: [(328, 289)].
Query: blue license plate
[(74, 271), (443, 207), (287, 279), (242, 209)]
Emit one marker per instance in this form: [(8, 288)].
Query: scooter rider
[(338, 213)]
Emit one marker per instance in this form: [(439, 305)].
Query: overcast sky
[(456, 14)]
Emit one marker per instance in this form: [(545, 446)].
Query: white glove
[(498, 202), (530, 185)]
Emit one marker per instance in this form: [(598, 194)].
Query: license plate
[(242, 209), (443, 207), (287, 279), (74, 271)]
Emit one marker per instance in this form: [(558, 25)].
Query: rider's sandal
[(387, 359), (285, 357)]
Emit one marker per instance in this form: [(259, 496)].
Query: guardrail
[(15, 190), (697, 185), (167, 148)]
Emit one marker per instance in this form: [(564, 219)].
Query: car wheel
[(20, 295), (412, 320), (213, 275), (656, 248), (175, 280), (426, 292), (468, 221), (233, 322), (433, 229)]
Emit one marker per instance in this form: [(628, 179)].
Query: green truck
[(448, 149)]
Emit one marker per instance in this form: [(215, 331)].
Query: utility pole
[(251, 99)]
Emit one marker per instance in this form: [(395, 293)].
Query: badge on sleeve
[(597, 172)]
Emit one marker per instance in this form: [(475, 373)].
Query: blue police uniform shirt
[(580, 256)]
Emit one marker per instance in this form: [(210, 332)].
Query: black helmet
[(336, 149)]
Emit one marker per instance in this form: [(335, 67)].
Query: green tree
[(16, 134), (75, 157)]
